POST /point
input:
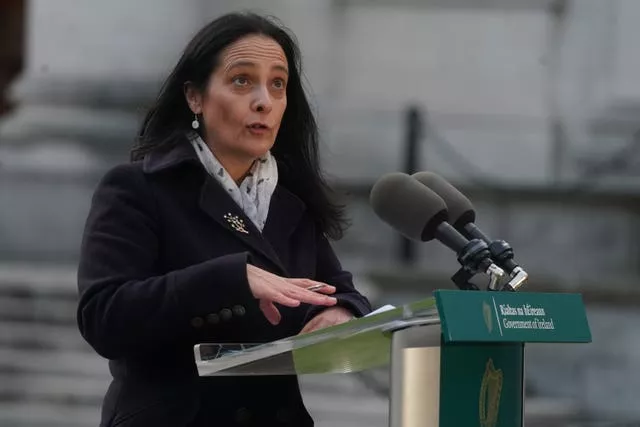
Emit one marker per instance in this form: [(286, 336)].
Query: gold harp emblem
[(490, 391)]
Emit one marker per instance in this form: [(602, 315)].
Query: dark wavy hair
[(296, 145)]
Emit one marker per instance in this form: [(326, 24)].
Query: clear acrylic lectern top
[(354, 346)]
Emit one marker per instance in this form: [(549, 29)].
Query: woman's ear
[(193, 97)]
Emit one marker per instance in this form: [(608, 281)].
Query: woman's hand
[(270, 288), (329, 317)]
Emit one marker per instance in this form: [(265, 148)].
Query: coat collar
[(285, 210), (159, 160)]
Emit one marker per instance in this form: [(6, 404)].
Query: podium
[(456, 359)]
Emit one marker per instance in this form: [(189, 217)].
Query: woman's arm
[(329, 270), (125, 307)]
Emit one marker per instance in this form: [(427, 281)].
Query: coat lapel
[(285, 212), (285, 209), (225, 211)]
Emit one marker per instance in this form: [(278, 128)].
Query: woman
[(215, 232)]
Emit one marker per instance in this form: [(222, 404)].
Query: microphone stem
[(450, 237), (473, 232)]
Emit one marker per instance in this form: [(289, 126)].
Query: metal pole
[(410, 165), (558, 151)]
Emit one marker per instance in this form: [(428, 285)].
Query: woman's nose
[(262, 102)]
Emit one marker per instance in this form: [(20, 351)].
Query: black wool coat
[(161, 270)]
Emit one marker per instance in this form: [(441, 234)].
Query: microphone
[(462, 216), (420, 214)]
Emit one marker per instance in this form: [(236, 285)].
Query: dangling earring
[(195, 123)]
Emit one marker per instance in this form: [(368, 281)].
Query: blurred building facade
[(530, 106)]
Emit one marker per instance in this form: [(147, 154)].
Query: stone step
[(541, 408), (61, 389), (42, 414), (39, 279), (58, 363), (50, 311), (39, 336)]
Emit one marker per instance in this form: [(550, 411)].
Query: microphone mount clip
[(474, 258)]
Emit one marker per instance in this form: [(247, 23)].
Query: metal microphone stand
[(475, 257), (502, 253)]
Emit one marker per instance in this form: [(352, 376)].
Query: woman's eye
[(240, 81), (278, 84)]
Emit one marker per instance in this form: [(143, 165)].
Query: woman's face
[(244, 101)]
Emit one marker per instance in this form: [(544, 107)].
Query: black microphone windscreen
[(460, 208), (408, 206)]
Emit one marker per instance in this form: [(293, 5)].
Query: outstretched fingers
[(314, 286), (270, 312)]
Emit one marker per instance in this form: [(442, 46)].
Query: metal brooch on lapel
[(236, 223)]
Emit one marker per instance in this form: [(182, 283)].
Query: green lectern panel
[(481, 384), (484, 316)]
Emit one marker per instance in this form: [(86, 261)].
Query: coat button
[(239, 310), (197, 322), (213, 319), (243, 416), (225, 314)]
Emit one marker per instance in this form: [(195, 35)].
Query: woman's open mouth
[(258, 128)]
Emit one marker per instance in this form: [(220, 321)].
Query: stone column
[(90, 69), (91, 66), (597, 86)]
